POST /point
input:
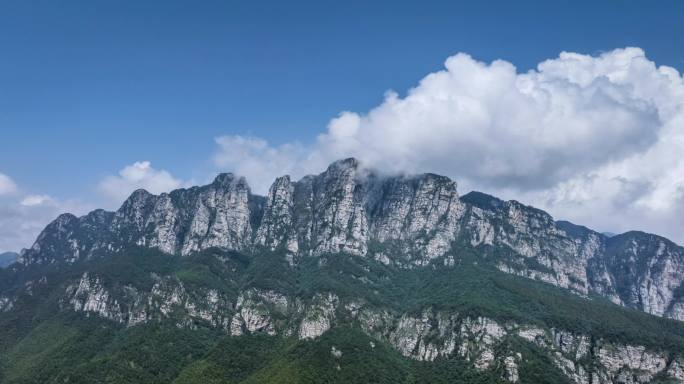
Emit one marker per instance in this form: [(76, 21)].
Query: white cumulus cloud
[(258, 160), (20, 223), (7, 185), (594, 139), (34, 200), (140, 174), (23, 216)]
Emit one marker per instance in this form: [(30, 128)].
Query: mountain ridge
[(414, 218), (7, 258), (398, 269)]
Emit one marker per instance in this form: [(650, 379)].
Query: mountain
[(345, 276), (8, 258)]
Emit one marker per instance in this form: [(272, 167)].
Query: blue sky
[(90, 87)]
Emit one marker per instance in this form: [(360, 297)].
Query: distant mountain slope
[(255, 318), (345, 276), (7, 258)]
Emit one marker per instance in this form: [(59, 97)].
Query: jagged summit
[(404, 220), (574, 229), (140, 193), (348, 163), (348, 167), (482, 200), (224, 177), (229, 179)]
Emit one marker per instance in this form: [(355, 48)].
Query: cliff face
[(407, 221), (647, 272), (495, 286), (635, 269), (223, 214), (345, 209), (426, 335)]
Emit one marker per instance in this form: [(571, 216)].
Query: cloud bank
[(594, 139), (7, 185), (141, 174), (598, 140), (23, 216)]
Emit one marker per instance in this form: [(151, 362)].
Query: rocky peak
[(419, 214), (98, 217), (344, 207), (647, 272), (53, 243), (512, 208), (482, 200), (62, 222), (57, 230), (330, 212), (137, 200), (227, 178), (135, 208), (139, 194), (275, 229), (576, 231), (409, 221), (230, 182), (343, 165)]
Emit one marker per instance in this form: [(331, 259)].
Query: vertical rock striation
[(409, 221)]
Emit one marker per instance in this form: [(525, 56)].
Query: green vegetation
[(70, 348), (41, 342), (261, 359)]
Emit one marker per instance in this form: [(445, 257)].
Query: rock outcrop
[(483, 343), (407, 221)]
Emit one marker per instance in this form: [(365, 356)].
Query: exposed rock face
[(407, 221), (616, 363), (188, 220), (334, 201), (471, 339), (421, 213), (318, 214), (634, 269), (131, 306), (318, 316), (69, 238), (542, 249), (278, 220), (431, 334), (90, 296), (511, 368), (253, 312), (345, 207), (646, 271), (221, 214), (6, 304)]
